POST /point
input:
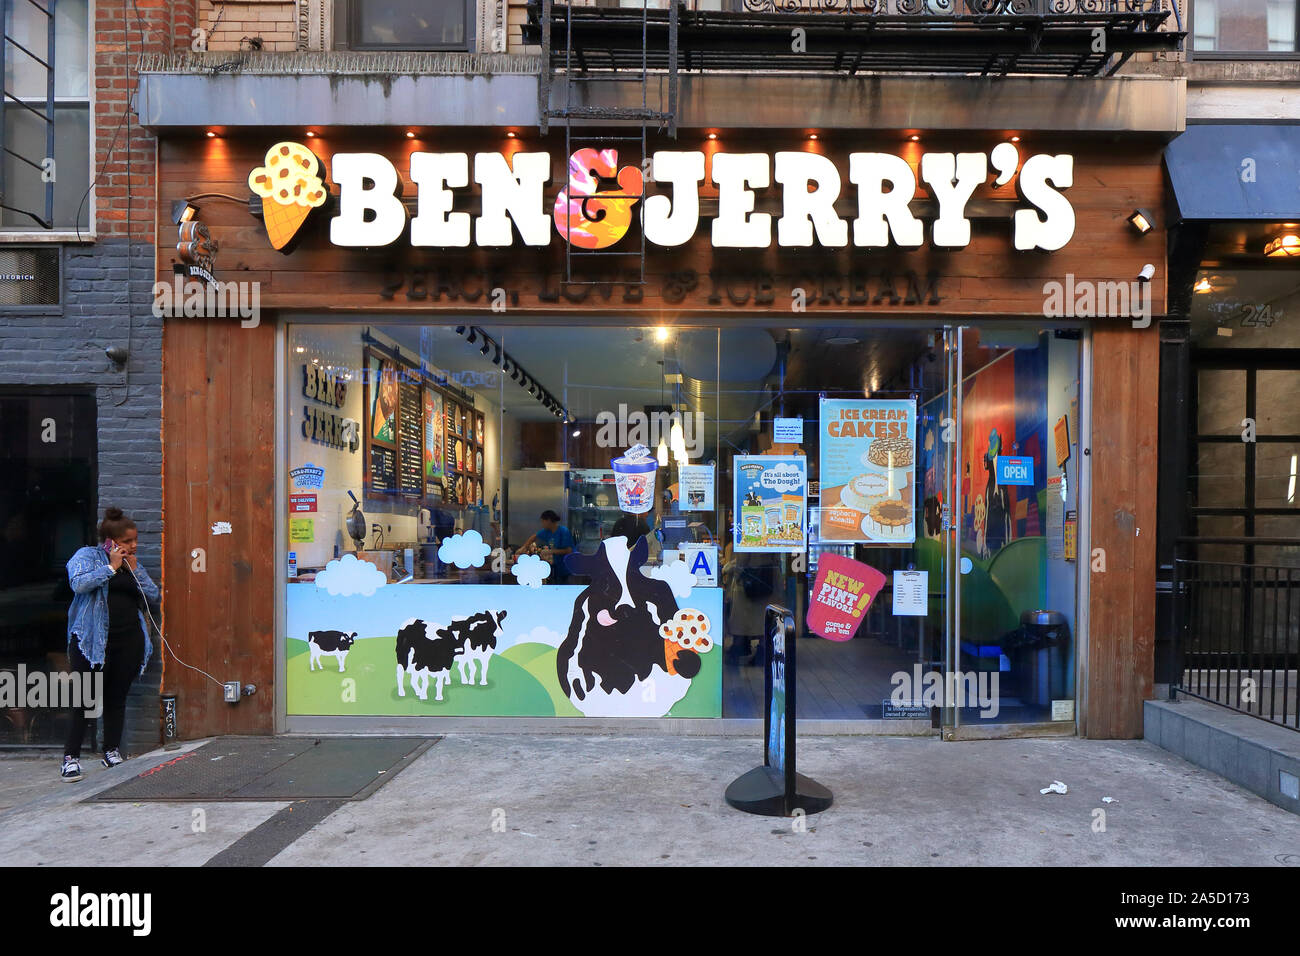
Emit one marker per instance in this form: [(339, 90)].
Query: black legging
[(121, 665)]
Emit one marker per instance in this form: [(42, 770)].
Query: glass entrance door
[(1013, 556)]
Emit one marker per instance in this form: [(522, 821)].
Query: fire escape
[(587, 48), (11, 47)]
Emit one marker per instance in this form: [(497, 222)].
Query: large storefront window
[(590, 521)]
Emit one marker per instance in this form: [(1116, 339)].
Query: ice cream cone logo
[(290, 189), (595, 211)]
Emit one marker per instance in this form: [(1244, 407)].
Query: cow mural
[(427, 651), (477, 636), (322, 643), (630, 650)]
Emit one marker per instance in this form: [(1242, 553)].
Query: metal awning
[(1239, 172)]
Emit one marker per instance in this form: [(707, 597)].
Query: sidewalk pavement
[(608, 801)]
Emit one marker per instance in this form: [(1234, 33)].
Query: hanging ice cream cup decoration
[(634, 479)]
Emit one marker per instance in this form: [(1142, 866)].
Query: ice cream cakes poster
[(868, 471)]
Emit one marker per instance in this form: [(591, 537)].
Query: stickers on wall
[(307, 476), (771, 502), (302, 530), (841, 595), (868, 471), (302, 503)]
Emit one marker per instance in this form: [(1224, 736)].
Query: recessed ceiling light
[(310, 134), (410, 134), (713, 136), (211, 135), (812, 136), (1015, 139), (915, 138), (662, 333)]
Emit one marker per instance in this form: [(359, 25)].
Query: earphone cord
[(163, 638)]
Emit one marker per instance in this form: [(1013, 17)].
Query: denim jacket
[(89, 572)]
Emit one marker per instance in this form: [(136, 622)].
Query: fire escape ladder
[(571, 62), (11, 100)]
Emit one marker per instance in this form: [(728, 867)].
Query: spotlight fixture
[(183, 211), (472, 338), (311, 134), (1015, 139), (812, 137), (662, 333), (300, 349), (211, 135), (713, 136), (915, 138), (1148, 272), (487, 347), (577, 432), (1202, 285), (1284, 245), (460, 330), (1141, 221), (410, 134), (511, 134)]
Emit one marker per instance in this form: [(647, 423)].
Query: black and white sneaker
[(71, 768), (111, 758)]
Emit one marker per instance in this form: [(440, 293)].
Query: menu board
[(435, 427), (410, 446), (383, 469)]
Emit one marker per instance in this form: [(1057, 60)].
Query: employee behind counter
[(556, 539)]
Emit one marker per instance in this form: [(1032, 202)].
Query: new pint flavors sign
[(868, 471), (841, 595)]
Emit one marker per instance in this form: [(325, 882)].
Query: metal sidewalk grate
[(272, 768)]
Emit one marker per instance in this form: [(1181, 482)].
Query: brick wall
[(231, 25), (107, 301)]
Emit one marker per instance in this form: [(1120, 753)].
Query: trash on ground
[(1056, 787)]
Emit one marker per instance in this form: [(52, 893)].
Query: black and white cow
[(477, 637), (321, 643), (422, 656), (614, 639)]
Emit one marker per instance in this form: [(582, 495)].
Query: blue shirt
[(89, 572), (561, 537)]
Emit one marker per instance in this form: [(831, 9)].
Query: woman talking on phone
[(107, 631)]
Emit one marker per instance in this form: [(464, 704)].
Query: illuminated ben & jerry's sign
[(597, 205)]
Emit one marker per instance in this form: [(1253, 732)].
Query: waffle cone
[(282, 220)]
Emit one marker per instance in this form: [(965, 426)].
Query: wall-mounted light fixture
[(1141, 221), (183, 211), (1287, 244)]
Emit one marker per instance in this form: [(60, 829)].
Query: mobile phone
[(109, 544)]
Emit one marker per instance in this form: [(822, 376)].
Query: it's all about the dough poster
[(868, 471), (771, 502)]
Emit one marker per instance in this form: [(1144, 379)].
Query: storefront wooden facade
[(221, 400)]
